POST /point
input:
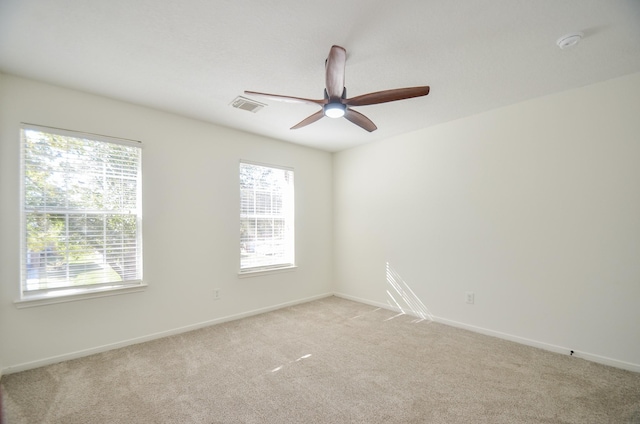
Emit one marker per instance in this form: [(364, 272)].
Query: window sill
[(259, 272), (73, 295)]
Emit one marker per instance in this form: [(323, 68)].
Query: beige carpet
[(327, 361)]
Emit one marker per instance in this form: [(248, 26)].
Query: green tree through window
[(81, 211)]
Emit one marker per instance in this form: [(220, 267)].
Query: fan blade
[(387, 96), (289, 99), (335, 72), (360, 120), (308, 120)]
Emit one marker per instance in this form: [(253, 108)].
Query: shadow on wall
[(403, 299)]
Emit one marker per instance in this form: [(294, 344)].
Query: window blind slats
[(266, 217), (81, 211)]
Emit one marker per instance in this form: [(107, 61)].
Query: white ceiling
[(193, 57)]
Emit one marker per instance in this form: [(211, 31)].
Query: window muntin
[(81, 213), (266, 217)]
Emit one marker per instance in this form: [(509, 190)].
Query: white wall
[(534, 207), (190, 224)]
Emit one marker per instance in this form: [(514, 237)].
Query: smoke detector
[(569, 40), (247, 104)]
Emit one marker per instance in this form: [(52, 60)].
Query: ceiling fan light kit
[(336, 104), (334, 110)]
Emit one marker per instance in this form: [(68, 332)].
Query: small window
[(81, 213), (266, 217)]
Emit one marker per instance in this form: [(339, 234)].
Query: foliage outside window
[(81, 213), (266, 217)]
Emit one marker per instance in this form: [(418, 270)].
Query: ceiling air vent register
[(247, 104)]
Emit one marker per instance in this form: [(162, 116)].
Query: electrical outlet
[(216, 294), (469, 297)]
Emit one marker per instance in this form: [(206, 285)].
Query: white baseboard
[(534, 343), (99, 349)]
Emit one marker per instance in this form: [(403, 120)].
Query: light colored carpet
[(327, 361)]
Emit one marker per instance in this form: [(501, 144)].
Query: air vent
[(247, 104)]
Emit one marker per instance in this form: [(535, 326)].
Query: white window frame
[(63, 289), (251, 263)]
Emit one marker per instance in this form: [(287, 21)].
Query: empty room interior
[(189, 234)]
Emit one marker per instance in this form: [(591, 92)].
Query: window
[(266, 217), (81, 213)]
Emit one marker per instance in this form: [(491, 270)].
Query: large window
[(266, 217), (81, 213)]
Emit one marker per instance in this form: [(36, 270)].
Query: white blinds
[(266, 217), (81, 221)]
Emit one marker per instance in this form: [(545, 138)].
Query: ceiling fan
[(336, 104)]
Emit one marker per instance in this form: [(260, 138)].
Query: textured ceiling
[(193, 57)]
